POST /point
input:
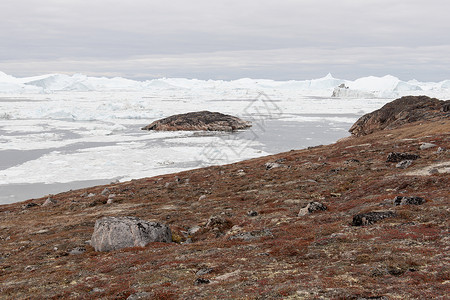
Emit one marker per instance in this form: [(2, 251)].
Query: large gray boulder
[(112, 233)]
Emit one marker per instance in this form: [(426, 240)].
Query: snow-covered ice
[(62, 129)]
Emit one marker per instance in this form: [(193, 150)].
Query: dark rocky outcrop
[(371, 217), (112, 233), (398, 157), (405, 200), (202, 120), (407, 109)]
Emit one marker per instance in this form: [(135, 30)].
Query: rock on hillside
[(202, 120), (407, 109)]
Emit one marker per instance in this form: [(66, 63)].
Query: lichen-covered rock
[(371, 217), (311, 208), (112, 233), (398, 112), (398, 157), (202, 120), (399, 200)]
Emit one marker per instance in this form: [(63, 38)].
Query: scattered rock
[(311, 208), (105, 192), (193, 230), (398, 112), (202, 197), (248, 236), (77, 250), (85, 194), (90, 195), (371, 217), (49, 201), (404, 164), (111, 233), (399, 200), (252, 213), (29, 205), (204, 271), (440, 150), (272, 165), (398, 157), (138, 296), (427, 146), (202, 120), (199, 281), (110, 201)]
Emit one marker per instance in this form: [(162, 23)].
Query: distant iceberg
[(383, 87)]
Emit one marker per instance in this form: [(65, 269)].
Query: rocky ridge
[(404, 110)]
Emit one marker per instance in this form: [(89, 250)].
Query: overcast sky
[(227, 39)]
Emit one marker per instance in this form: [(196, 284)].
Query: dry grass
[(315, 256)]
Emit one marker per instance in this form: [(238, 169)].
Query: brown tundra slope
[(257, 246)]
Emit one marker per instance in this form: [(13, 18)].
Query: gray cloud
[(226, 39)]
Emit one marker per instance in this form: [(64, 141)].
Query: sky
[(227, 39)]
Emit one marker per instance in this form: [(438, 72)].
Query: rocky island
[(202, 120), (341, 221)]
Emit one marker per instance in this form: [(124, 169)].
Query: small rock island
[(201, 120)]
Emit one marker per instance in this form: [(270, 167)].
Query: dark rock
[(371, 217), (272, 165), (29, 205), (111, 233), (399, 200), (398, 112), (398, 157), (311, 208), (199, 281), (202, 120), (252, 213)]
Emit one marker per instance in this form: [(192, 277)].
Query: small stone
[(138, 296), (252, 213), (203, 271), (49, 201), (105, 192), (77, 250), (193, 230), (199, 281), (110, 201), (371, 217), (97, 290), (440, 150), (433, 171), (398, 157), (85, 194), (202, 197), (311, 208), (90, 195), (425, 146), (404, 164), (399, 200), (29, 205), (272, 165)]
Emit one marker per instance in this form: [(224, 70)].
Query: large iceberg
[(383, 87)]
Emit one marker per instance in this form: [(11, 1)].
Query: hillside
[(238, 233)]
